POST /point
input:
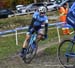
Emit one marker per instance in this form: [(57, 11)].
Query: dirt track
[(41, 60)]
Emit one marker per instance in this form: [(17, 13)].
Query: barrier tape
[(59, 25)]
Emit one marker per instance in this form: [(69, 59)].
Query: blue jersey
[(71, 13), (72, 7), (39, 19), (71, 16)]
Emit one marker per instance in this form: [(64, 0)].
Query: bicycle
[(66, 52), (31, 49)]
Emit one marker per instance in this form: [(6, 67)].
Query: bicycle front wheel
[(31, 52), (66, 53)]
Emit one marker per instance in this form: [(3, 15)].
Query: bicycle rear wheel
[(30, 53), (66, 53)]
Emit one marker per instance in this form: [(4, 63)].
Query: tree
[(13, 3), (1, 4)]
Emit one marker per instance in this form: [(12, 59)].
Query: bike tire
[(32, 55), (66, 61)]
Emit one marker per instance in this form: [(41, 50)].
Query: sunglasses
[(42, 13)]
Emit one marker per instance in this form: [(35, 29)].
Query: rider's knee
[(39, 36), (27, 36)]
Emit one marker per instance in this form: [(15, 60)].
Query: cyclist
[(63, 10), (71, 16), (39, 18)]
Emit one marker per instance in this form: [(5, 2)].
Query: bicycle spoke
[(30, 54), (66, 53), (31, 48)]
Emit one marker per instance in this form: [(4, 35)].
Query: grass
[(7, 47), (18, 21), (8, 44), (52, 50), (13, 22)]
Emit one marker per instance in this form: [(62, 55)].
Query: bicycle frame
[(32, 39), (70, 54), (66, 52), (31, 49)]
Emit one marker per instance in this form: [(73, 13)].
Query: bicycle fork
[(32, 41)]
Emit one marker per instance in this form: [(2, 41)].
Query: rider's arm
[(46, 27), (33, 20)]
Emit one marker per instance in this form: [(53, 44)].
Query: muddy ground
[(40, 61)]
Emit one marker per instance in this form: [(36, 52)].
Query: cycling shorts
[(32, 30)]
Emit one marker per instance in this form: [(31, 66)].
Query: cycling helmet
[(42, 9)]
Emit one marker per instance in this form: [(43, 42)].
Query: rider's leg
[(25, 44), (40, 35)]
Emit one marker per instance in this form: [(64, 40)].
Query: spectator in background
[(63, 10)]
